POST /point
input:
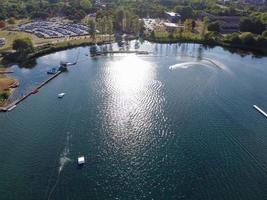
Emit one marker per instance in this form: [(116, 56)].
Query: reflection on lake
[(175, 124)]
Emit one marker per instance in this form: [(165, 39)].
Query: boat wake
[(63, 160), (186, 65), (215, 63), (206, 62)]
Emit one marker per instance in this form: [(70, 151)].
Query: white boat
[(81, 160), (61, 95), (11, 108), (260, 110)]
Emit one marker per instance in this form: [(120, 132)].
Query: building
[(254, 2), (2, 41), (228, 24), (172, 17), (172, 27)]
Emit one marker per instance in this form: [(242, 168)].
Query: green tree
[(232, 38), (251, 25), (204, 27), (261, 41), (3, 96), (86, 4), (188, 24), (23, 45), (264, 33), (214, 26), (153, 35), (2, 24), (120, 20), (92, 29), (186, 12), (109, 27), (247, 38), (11, 20)]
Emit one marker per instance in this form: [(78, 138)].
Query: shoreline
[(43, 50), (234, 47), (8, 91), (52, 48)]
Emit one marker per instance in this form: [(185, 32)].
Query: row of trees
[(119, 20), (246, 25), (44, 8), (247, 39)]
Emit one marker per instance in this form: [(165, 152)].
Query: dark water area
[(175, 124)]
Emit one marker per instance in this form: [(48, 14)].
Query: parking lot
[(54, 29)]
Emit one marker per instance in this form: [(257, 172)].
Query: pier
[(260, 110), (12, 105), (6, 72), (135, 52), (120, 52)]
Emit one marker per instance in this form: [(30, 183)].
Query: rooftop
[(173, 14), (172, 25)]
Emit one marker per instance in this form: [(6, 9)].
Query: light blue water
[(160, 126)]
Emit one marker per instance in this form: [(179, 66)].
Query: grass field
[(10, 36)]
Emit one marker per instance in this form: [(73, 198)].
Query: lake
[(178, 123)]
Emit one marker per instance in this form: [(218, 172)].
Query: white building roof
[(173, 14), (171, 25)]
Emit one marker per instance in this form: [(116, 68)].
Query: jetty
[(6, 72), (130, 51), (260, 110), (14, 104), (62, 68), (98, 53)]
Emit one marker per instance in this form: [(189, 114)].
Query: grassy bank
[(7, 85), (10, 36), (55, 46), (82, 41)]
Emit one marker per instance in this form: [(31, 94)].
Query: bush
[(247, 38), (264, 34), (232, 38), (211, 37), (261, 41), (23, 47), (214, 26), (11, 20), (3, 96), (251, 25), (186, 12), (2, 24)]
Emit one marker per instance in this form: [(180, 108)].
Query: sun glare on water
[(131, 73)]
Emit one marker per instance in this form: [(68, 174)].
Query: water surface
[(169, 125)]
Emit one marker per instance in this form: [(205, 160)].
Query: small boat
[(34, 91), (52, 71), (81, 160), (61, 95), (95, 50)]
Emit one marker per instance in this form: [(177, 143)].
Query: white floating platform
[(260, 110), (61, 95), (81, 160)]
